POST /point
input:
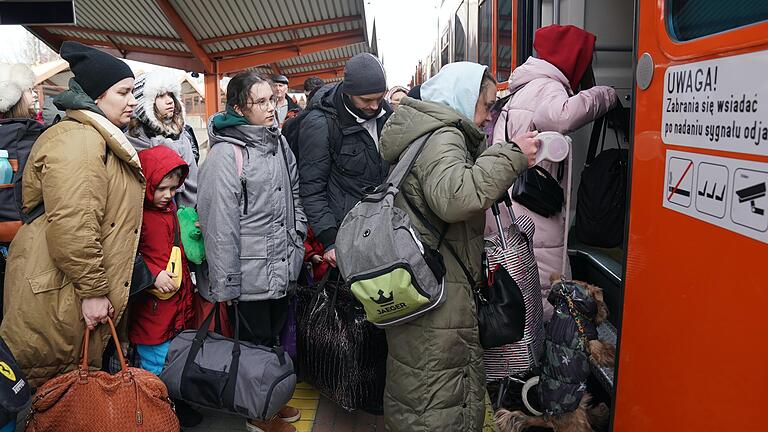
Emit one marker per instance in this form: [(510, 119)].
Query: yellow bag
[(174, 267)]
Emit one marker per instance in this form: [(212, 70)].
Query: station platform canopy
[(295, 38)]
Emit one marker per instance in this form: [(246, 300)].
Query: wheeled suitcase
[(512, 248)]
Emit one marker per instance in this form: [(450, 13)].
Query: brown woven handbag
[(95, 401)]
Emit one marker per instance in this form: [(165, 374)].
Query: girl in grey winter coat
[(159, 120), (252, 220)]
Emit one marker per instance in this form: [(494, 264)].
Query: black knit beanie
[(364, 75), (95, 71)]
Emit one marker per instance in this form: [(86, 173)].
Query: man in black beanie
[(338, 147)]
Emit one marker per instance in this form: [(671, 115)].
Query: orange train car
[(685, 288)]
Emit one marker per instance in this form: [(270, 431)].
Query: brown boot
[(289, 414), (276, 424)]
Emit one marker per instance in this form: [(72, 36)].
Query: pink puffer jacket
[(543, 101)]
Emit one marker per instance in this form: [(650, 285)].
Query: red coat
[(312, 247), (153, 321)]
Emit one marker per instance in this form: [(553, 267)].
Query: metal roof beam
[(281, 29), (343, 59), (322, 75), (101, 32), (128, 48), (240, 63), (286, 44), (186, 35), (275, 69), (336, 72)]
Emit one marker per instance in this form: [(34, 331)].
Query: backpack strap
[(238, 159), (407, 160)]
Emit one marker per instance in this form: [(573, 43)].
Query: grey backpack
[(391, 271)]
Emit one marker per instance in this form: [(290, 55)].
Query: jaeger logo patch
[(387, 303)]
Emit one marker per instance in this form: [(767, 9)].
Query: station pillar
[(212, 94)]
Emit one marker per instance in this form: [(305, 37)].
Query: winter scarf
[(456, 85), (227, 119)]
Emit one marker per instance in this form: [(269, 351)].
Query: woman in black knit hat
[(71, 266)]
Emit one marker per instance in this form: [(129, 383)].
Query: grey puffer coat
[(254, 225)]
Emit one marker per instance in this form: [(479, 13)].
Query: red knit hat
[(568, 47)]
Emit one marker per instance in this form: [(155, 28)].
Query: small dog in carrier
[(571, 339)]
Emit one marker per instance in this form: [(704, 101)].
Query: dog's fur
[(584, 417)]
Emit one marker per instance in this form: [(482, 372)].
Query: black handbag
[(539, 192), (141, 278), (500, 308)]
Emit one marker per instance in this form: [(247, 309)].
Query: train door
[(693, 349)]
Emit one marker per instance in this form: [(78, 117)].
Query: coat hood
[(242, 135), (76, 99), (583, 302), (534, 69), (14, 80), (147, 88), (568, 47), (415, 118), (457, 85), (156, 163)]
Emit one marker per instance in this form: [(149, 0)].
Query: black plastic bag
[(340, 353)]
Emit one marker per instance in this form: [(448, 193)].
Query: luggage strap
[(441, 236)]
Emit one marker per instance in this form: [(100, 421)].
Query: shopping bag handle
[(118, 348)]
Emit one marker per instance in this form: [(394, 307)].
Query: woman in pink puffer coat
[(544, 100)]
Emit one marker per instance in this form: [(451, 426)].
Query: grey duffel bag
[(213, 371)]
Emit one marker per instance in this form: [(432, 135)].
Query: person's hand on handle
[(529, 145), (330, 257), (164, 282), (96, 310)]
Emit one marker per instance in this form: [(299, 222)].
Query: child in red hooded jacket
[(154, 321)]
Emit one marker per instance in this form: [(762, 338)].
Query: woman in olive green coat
[(435, 377)]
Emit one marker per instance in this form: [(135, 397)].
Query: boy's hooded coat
[(154, 321)]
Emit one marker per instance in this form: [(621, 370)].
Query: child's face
[(165, 191)]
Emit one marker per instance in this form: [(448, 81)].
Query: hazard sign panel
[(730, 193)]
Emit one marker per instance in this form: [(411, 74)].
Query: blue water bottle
[(6, 171)]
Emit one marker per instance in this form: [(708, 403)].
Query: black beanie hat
[(95, 71), (364, 75)]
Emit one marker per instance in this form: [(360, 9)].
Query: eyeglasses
[(264, 104)]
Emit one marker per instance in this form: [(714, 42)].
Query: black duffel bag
[(14, 391), (602, 195), (229, 375), (340, 353)]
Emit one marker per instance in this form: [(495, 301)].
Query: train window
[(504, 40), (691, 19), (485, 18), (444, 46), (460, 33)]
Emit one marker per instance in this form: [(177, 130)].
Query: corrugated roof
[(169, 32)]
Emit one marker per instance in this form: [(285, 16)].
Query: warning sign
[(729, 193), (718, 104)]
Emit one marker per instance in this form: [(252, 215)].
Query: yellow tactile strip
[(306, 399)]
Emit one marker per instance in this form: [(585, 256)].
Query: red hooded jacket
[(154, 321), (568, 47)]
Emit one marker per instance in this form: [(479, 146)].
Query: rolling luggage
[(512, 248)]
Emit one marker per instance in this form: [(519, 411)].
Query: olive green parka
[(435, 376)]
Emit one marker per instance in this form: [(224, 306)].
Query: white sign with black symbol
[(679, 181), (711, 185), (719, 104), (750, 205), (726, 192)]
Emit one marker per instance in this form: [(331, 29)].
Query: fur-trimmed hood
[(147, 88), (14, 80)]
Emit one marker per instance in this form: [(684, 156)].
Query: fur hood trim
[(147, 88), (14, 80)]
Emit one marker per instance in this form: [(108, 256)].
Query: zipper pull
[(245, 195)]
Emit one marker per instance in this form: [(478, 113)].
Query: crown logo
[(384, 301)]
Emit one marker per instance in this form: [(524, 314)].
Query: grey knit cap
[(364, 74)]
